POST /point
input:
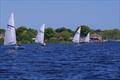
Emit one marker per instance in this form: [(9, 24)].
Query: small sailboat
[(76, 38), (40, 36), (87, 38), (10, 34)]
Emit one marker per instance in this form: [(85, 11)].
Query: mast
[(79, 34)]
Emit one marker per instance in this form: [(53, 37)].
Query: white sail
[(10, 34), (87, 38), (40, 35), (76, 38)]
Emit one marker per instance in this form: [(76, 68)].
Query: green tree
[(49, 33), (2, 32), (25, 35), (66, 35), (111, 34), (84, 30), (59, 30)]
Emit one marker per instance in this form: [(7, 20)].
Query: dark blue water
[(91, 61)]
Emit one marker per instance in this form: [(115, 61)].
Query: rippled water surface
[(90, 61)]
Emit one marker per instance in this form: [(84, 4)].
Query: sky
[(103, 14)]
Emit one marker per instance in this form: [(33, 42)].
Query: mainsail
[(10, 34), (87, 38), (40, 35), (76, 38)]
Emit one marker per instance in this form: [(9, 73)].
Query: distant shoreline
[(62, 35)]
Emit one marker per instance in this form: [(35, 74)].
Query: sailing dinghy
[(10, 34), (40, 36)]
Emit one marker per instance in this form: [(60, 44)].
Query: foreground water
[(91, 61)]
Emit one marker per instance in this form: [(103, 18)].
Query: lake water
[(90, 61)]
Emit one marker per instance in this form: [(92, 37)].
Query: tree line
[(60, 35)]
